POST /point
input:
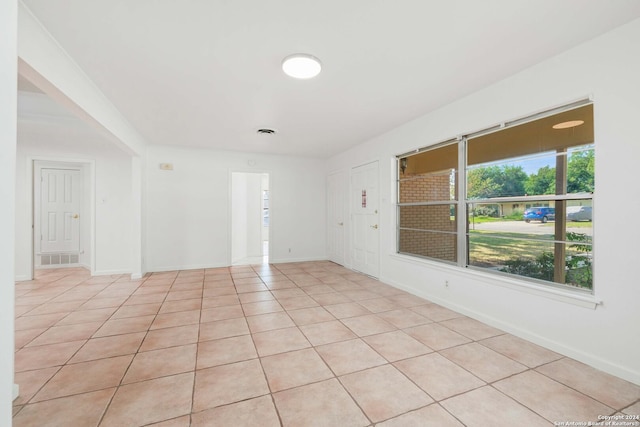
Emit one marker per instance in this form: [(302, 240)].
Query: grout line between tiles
[(293, 273)]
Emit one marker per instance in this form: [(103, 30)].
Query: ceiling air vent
[(266, 131)]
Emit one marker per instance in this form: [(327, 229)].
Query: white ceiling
[(206, 73)]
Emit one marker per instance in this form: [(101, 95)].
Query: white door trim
[(88, 167), (342, 177)]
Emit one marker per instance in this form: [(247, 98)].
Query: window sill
[(556, 294)]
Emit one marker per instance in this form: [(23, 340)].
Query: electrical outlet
[(446, 283), (289, 250)]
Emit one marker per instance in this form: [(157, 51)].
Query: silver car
[(579, 213)]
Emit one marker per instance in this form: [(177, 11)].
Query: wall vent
[(58, 259), (266, 131)]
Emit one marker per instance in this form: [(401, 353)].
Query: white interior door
[(335, 217), (59, 210), (364, 211)]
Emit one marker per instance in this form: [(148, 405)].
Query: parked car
[(539, 213), (579, 213)]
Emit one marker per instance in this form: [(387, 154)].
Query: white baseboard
[(16, 391), (183, 267), (287, 260), (159, 269), (588, 359), (110, 272)]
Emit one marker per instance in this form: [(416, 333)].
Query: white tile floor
[(263, 259), (305, 344)]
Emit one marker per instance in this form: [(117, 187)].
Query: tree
[(543, 182), (580, 172), (513, 180), (481, 182), (496, 181)]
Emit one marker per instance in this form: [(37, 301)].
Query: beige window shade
[(534, 137)]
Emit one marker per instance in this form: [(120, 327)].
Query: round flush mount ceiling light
[(301, 66), (569, 124)]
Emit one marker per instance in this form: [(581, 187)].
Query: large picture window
[(524, 206)]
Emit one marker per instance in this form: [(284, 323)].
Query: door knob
[(375, 226), (76, 216), (341, 223)]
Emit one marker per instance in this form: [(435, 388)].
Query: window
[(265, 208), (427, 204), (527, 196)]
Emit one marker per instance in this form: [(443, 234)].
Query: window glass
[(428, 187), (265, 208), (532, 138), (428, 244), (426, 215), (528, 200), (430, 217), (533, 175)]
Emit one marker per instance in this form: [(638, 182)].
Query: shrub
[(540, 268), (577, 267), (486, 211), (515, 215)]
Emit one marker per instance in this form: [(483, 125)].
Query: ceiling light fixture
[(301, 66), (569, 124)]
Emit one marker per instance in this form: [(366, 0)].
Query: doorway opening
[(250, 218)]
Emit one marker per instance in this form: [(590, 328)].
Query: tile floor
[(304, 344)]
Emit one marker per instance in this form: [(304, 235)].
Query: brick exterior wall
[(428, 243)]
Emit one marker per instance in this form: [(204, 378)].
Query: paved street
[(533, 227)]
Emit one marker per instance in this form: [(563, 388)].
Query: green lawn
[(487, 248), (496, 250), (483, 219), (571, 224)]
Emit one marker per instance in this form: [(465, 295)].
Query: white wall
[(606, 337), (8, 114), (112, 188), (44, 62), (238, 216), (188, 209)]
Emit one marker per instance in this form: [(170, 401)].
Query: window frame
[(452, 201), (462, 202)]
